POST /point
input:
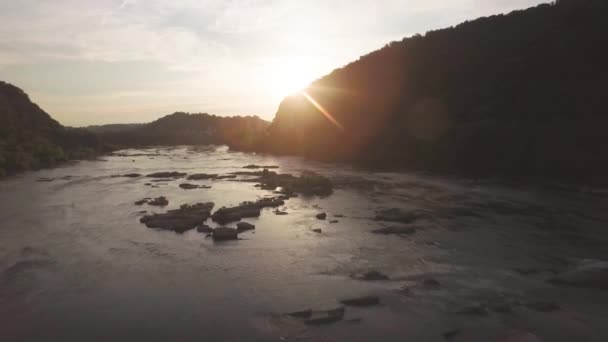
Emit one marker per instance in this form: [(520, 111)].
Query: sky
[(90, 62)]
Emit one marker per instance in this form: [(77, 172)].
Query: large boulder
[(180, 220), (224, 234)]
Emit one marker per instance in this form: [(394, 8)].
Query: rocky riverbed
[(202, 243)]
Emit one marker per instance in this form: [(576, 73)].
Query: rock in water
[(321, 216), (399, 215), (159, 201), (204, 229), (224, 234), (397, 230), (183, 219), (187, 186), (243, 226), (245, 209), (309, 183), (372, 275), (317, 230), (202, 176), (326, 317), (361, 301), (589, 274), (166, 175), (253, 166)]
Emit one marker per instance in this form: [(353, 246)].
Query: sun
[(289, 76)]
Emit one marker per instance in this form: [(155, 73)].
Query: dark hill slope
[(31, 139), (190, 129), (518, 95)]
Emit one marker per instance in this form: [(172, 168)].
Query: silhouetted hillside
[(521, 94), (31, 139), (113, 128), (189, 129)]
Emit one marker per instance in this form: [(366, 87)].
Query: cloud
[(213, 49)]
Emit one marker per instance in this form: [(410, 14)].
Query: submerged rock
[(167, 175), (589, 274), (224, 234), (159, 201), (253, 166), (180, 220), (542, 306), (361, 301), (187, 186), (371, 275), (321, 216), (243, 226), (245, 209), (317, 230), (325, 317), (400, 230), (521, 337), (399, 215), (301, 314)]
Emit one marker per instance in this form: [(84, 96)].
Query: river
[(77, 265)]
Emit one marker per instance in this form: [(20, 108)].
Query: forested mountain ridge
[(189, 129), (31, 139), (521, 95)]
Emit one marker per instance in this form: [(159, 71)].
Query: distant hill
[(518, 95), (187, 129), (112, 128), (31, 139)]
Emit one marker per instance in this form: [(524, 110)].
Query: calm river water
[(77, 265)]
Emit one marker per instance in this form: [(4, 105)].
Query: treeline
[(188, 129), (30, 139), (518, 95)]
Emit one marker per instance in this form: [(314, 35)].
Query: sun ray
[(323, 111)]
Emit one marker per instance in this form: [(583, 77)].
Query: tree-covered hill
[(522, 94), (31, 139), (188, 129)]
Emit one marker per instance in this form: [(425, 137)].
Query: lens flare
[(323, 111)]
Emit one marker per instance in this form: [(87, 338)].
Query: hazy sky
[(104, 61)]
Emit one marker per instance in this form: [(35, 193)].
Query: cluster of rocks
[(185, 218), (159, 201), (309, 183), (246, 209)]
